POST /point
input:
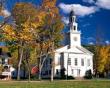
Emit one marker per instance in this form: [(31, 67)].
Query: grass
[(56, 84)]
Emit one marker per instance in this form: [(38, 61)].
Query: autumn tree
[(101, 54), (107, 65), (49, 36), (103, 58), (97, 46), (23, 31), (39, 27), (53, 27), (27, 19), (5, 14)]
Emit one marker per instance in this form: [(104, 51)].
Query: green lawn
[(56, 84)]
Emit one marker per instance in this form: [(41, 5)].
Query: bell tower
[(74, 33)]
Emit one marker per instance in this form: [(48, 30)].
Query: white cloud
[(91, 43), (89, 1), (87, 24), (6, 13), (107, 42), (78, 9), (89, 40), (103, 4), (65, 20)]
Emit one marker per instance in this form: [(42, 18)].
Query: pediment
[(75, 50)]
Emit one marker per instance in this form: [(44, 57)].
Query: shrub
[(63, 73), (88, 74), (70, 77)]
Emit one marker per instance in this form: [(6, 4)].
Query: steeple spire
[(71, 17), (72, 21)]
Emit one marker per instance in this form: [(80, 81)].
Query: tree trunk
[(52, 65), (29, 72), (29, 69), (41, 64), (40, 68), (52, 73), (19, 64), (39, 73), (27, 58), (24, 70)]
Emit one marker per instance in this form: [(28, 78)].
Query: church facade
[(72, 58)]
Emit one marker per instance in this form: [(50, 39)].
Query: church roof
[(74, 50), (84, 50)]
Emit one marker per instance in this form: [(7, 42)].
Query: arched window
[(74, 27)]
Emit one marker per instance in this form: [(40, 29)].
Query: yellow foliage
[(22, 11), (103, 58), (8, 32), (49, 3)]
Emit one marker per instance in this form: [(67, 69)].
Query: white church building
[(73, 57)]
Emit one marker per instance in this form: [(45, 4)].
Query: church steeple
[(72, 22), (73, 36), (74, 33), (72, 17)]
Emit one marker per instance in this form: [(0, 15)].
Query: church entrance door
[(78, 72)]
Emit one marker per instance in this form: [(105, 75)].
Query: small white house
[(4, 62), (73, 58)]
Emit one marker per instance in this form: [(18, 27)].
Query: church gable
[(77, 50), (85, 50), (62, 49)]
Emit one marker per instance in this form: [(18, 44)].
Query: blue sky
[(92, 15)]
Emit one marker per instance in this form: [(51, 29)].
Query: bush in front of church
[(63, 73), (63, 76), (88, 74)]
